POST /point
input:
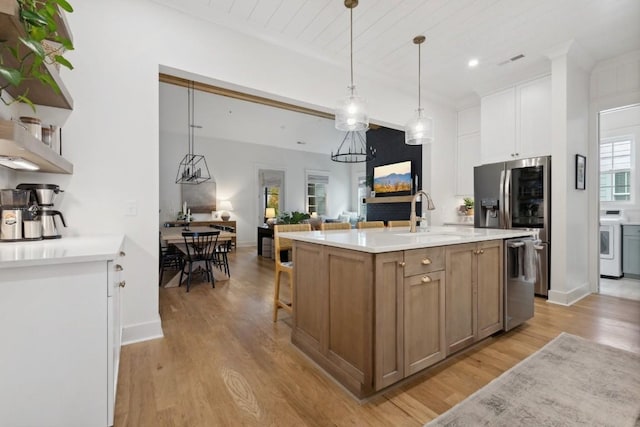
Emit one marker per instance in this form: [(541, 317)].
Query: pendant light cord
[(189, 120), (351, 43), (419, 88)]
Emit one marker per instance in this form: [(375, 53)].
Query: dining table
[(173, 236)]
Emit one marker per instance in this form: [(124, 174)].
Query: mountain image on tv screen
[(393, 178)]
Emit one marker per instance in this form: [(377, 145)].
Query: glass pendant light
[(193, 168), (351, 112), (419, 130)]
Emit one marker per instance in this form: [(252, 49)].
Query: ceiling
[(493, 31), (456, 30), (222, 117)]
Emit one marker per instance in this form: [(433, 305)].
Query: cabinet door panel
[(461, 299), (498, 133), (424, 307), (490, 293), (53, 324), (350, 311), (533, 122), (631, 251), (310, 293), (389, 331)]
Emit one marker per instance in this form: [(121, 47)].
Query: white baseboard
[(569, 297), (142, 332)]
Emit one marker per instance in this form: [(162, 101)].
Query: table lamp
[(270, 214), (225, 206)]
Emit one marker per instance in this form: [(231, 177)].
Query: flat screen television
[(394, 179)]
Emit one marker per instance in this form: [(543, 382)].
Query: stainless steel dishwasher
[(521, 267)]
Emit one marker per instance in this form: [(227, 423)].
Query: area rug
[(569, 382)]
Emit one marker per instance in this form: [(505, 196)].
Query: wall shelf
[(38, 93), (392, 199), (15, 141)]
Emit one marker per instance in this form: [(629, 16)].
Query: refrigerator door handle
[(501, 206), (507, 199)]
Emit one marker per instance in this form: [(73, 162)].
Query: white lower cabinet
[(114, 334), (60, 335)]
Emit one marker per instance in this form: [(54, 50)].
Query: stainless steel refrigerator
[(517, 194)]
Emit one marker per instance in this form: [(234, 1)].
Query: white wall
[(569, 223), (112, 135), (234, 167), (6, 177), (439, 165)]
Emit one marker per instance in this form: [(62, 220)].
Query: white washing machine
[(611, 243)]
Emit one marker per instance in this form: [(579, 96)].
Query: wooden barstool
[(335, 226), (282, 244), (370, 224), (399, 223)]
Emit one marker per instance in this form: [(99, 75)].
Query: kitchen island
[(375, 306), (61, 330)]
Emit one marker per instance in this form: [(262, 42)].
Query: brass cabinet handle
[(119, 267), (426, 261), (426, 279), (402, 263), (122, 284), (122, 253)]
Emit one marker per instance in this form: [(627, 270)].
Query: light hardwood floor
[(223, 362)]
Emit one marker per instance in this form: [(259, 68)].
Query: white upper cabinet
[(516, 122), (533, 118), (468, 149), (498, 126)]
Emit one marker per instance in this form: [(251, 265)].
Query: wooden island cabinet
[(372, 319), (474, 293)]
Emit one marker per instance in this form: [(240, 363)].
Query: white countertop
[(60, 251), (378, 240), (631, 223)]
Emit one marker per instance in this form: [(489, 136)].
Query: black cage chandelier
[(353, 149), (193, 168)]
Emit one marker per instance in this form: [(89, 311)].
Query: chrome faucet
[(430, 206)]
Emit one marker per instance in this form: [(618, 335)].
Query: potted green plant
[(24, 59), (293, 217), (468, 204)]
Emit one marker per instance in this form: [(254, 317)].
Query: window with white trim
[(616, 169)]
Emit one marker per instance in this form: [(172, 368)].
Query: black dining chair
[(221, 257), (169, 257), (199, 247)]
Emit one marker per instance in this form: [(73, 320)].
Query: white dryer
[(611, 243)]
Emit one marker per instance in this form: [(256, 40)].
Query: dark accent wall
[(390, 148)]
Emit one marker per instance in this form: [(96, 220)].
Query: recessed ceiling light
[(473, 63)]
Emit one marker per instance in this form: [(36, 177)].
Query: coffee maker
[(14, 206), (42, 196)]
